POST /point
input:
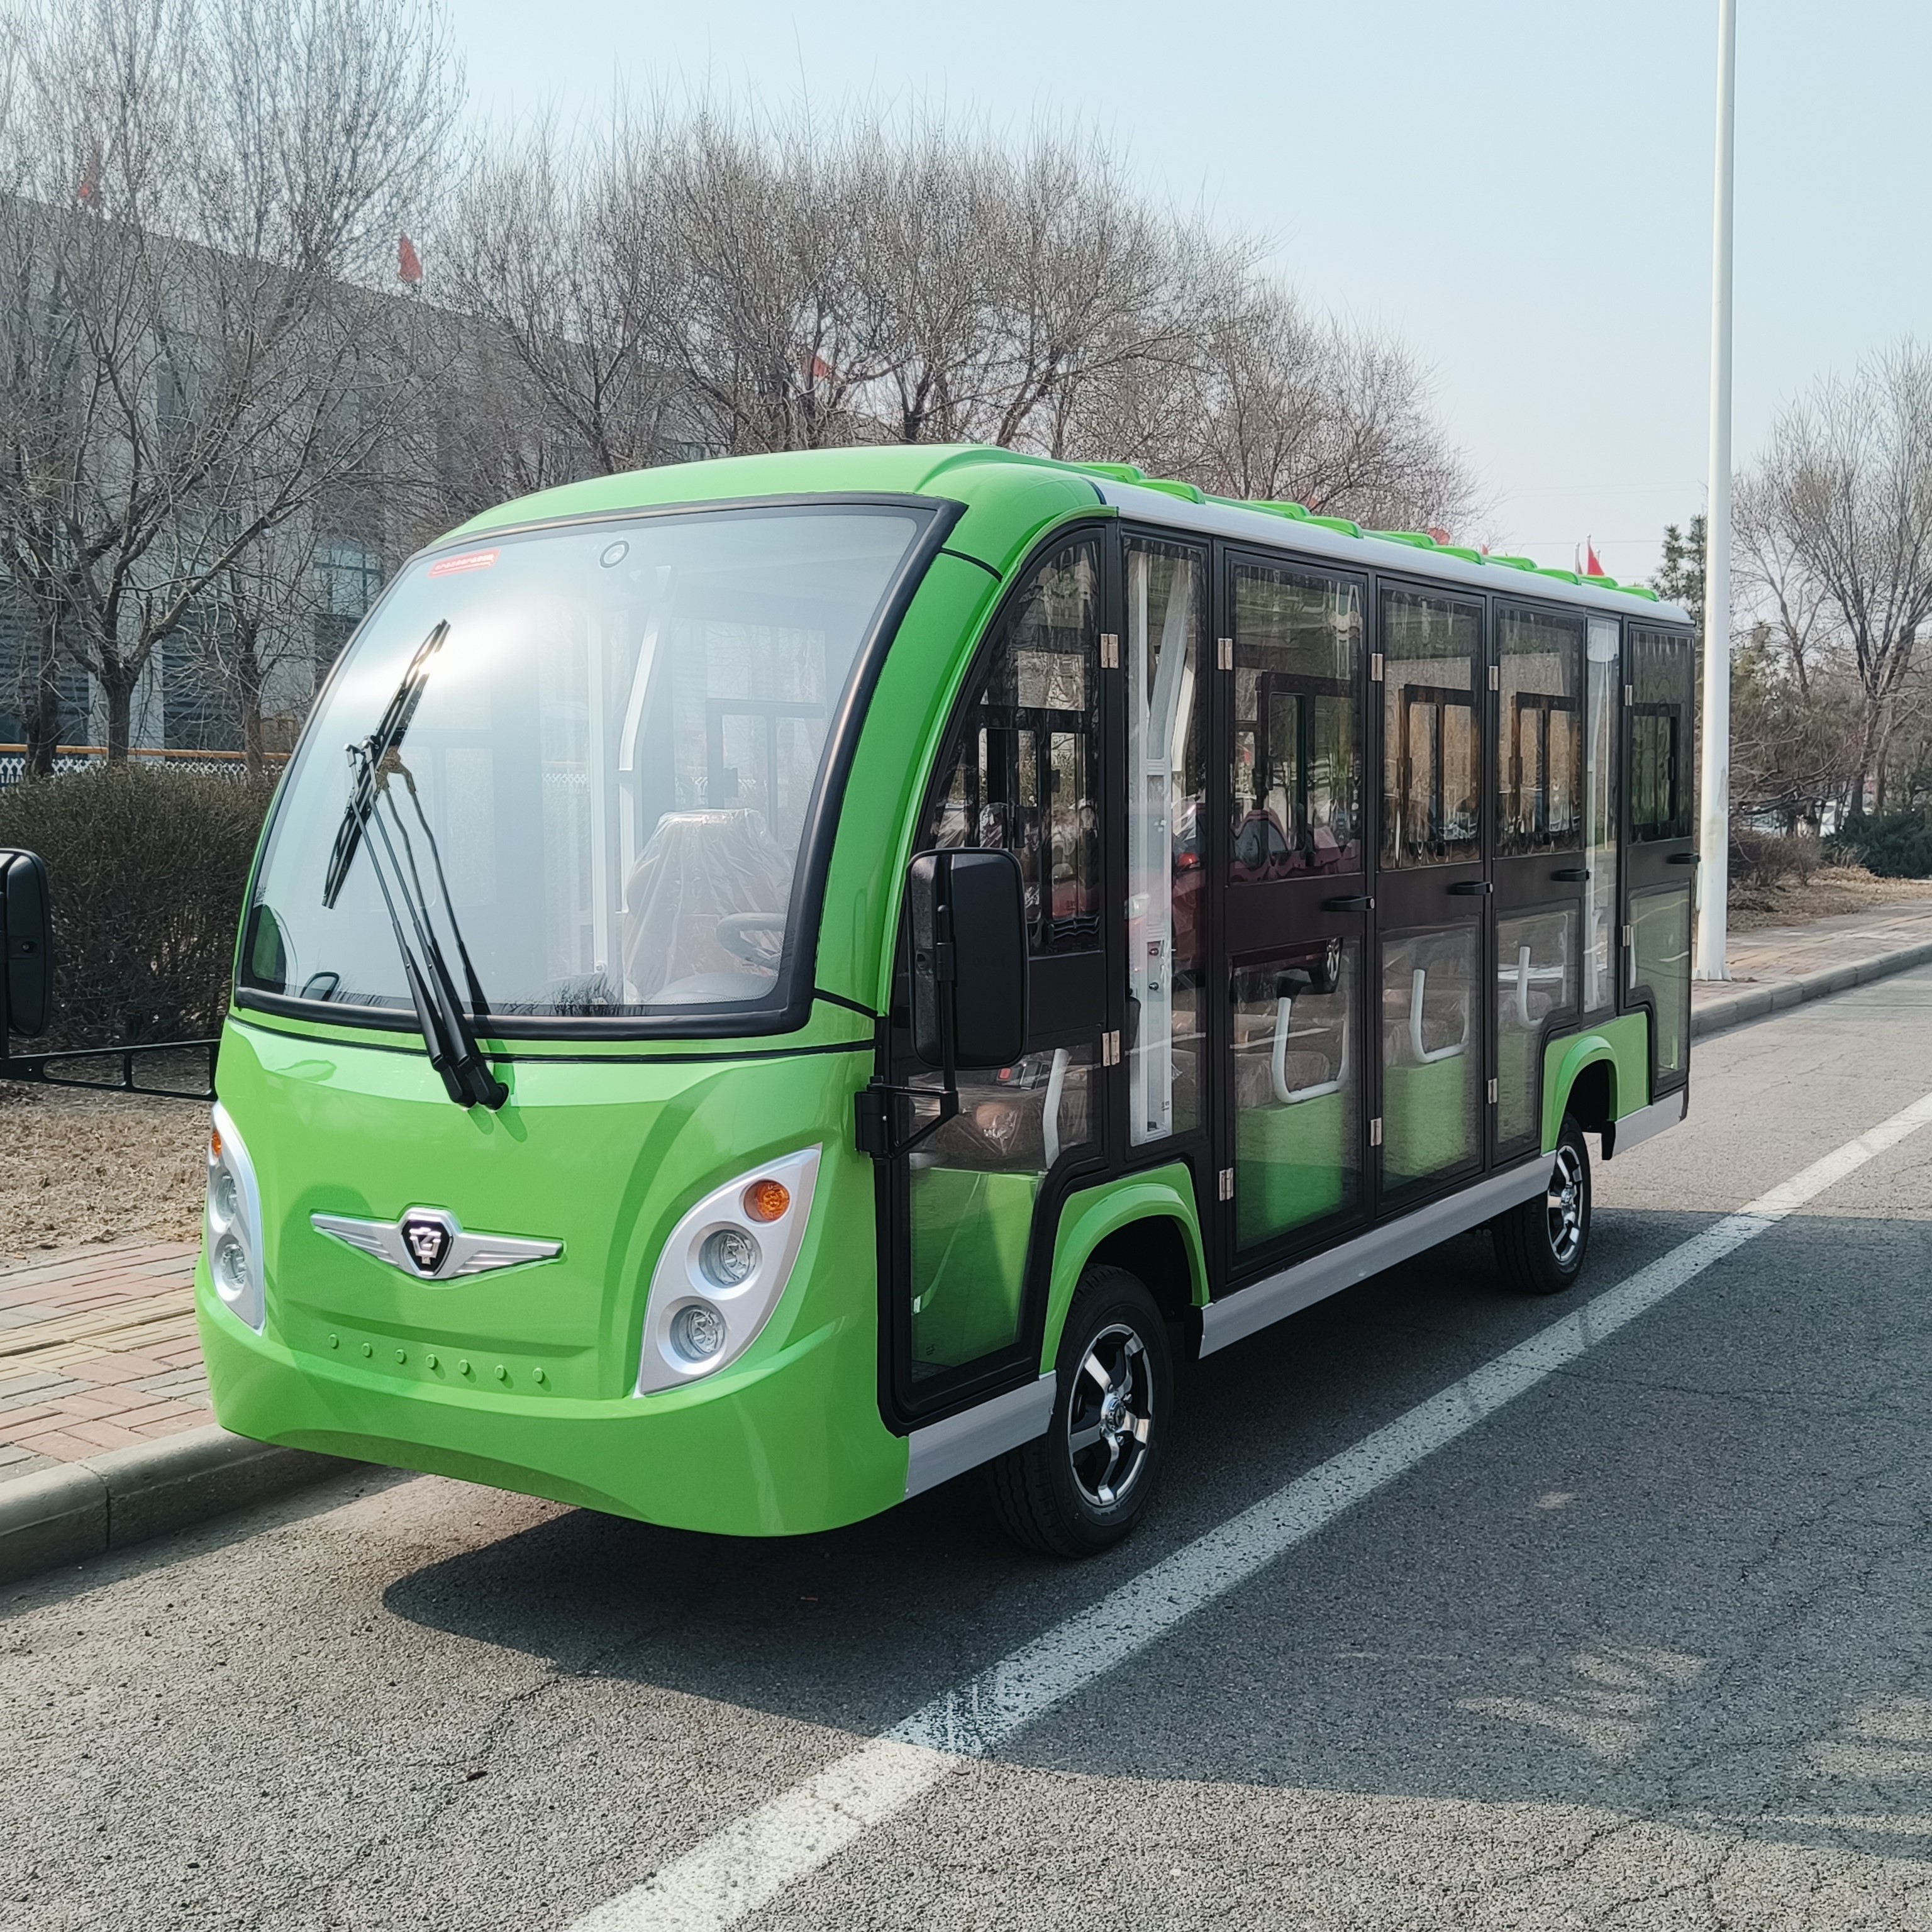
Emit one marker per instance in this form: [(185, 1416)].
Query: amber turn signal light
[(766, 1200)]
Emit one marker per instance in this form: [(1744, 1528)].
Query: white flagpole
[(1709, 961)]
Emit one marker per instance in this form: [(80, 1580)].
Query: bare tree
[(564, 298), (1098, 287), (1282, 406), (1836, 529), (764, 323), (196, 192), (933, 212)]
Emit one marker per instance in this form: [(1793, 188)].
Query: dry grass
[(1830, 890), (97, 1167)]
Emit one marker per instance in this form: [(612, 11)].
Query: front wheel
[(1540, 1246), (1080, 1487)]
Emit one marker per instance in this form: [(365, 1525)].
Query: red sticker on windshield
[(470, 560)]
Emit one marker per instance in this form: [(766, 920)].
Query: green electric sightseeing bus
[(770, 983)]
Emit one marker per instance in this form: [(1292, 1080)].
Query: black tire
[(1541, 1247), (1065, 1501)]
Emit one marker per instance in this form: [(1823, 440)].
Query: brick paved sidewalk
[(97, 1350), (1781, 953)]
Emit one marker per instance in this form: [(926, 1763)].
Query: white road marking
[(752, 1860)]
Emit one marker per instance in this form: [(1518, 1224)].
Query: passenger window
[(1536, 977), (1540, 733), (1297, 1147), (1431, 790), (974, 1183), (1024, 764), (1297, 777), (1662, 676)]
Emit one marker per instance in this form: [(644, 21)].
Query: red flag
[(1436, 533), (1591, 567), (409, 263), (87, 193)]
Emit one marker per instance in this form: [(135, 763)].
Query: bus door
[(1292, 1135), (973, 1206), (1432, 890), (1540, 869), (1660, 850)]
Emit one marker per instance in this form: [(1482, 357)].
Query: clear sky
[(1521, 190)]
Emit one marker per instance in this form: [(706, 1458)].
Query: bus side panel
[(1623, 1043), (1089, 1217), (895, 750)]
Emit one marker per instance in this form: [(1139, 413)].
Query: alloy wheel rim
[(1110, 1419), (1565, 1205)]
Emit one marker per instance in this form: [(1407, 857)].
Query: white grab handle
[(1424, 1057), (1292, 1097), (1056, 1084)]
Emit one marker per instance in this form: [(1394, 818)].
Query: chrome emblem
[(430, 1244), (426, 1236)]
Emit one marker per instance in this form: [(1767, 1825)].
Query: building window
[(349, 576)]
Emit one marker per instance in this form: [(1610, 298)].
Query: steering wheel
[(738, 931)]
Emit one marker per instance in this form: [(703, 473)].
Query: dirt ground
[(77, 1167), (1830, 890)]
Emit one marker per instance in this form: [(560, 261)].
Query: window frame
[(795, 992)]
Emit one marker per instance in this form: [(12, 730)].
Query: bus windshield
[(597, 775)]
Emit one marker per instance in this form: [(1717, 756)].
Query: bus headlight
[(232, 1228), (727, 1258), (722, 1271)]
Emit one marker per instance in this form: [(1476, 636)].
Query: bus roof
[(1033, 490)]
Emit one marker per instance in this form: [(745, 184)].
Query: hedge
[(147, 868), (1897, 845)]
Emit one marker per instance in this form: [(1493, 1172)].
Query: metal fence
[(81, 757)]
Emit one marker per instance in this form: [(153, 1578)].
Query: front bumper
[(776, 1446)]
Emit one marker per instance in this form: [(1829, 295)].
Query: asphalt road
[(1647, 1647)]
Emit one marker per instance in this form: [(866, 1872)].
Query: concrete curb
[(58, 1516), (1735, 1009)]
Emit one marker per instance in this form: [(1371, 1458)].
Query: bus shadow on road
[(1684, 1578)]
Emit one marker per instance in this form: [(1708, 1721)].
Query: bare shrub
[(1760, 860)]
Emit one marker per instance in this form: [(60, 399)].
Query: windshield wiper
[(446, 1029), (386, 737)]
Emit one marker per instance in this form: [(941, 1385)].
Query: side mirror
[(26, 937), (969, 958)]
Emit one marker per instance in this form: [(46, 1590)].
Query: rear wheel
[(1540, 1246), (1081, 1486)]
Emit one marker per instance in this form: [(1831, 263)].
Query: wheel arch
[(1146, 1223), (1582, 1076)]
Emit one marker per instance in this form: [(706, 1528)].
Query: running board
[(1235, 1317), (941, 1450), (1620, 1136)]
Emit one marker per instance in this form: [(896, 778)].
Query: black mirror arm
[(880, 1108)]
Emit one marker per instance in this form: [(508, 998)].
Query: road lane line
[(731, 1874)]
